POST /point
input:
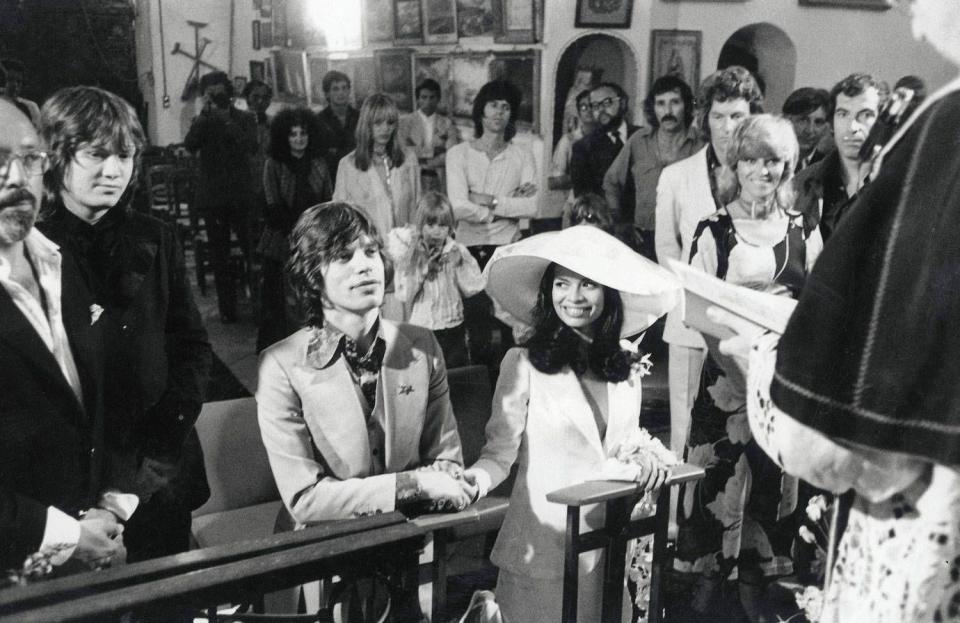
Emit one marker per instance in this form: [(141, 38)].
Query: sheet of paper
[(769, 311)]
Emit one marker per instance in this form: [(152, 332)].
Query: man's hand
[(101, 542), (438, 486), (527, 189)]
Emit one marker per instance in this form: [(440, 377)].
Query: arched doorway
[(609, 59), (769, 53)]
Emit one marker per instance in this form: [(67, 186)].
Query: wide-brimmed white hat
[(514, 273)]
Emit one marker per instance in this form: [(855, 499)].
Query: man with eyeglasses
[(51, 419), (630, 184), (593, 154), (806, 108), (559, 179), (826, 189)]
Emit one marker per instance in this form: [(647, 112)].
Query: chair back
[(236, 461)]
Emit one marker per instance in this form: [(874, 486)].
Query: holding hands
[(101, 541), (442, 484)]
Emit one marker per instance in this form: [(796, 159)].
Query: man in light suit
[(686, 194), (430, 134), (354, 409), (51, 424)]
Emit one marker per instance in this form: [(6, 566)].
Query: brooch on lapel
[(95, 311), (405, 389)]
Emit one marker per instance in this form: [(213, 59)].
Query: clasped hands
[(446, 486), (101, 540)]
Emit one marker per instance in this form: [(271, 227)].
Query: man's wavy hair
[(731, 83), (283, 124), (320, 235), (491, 92), (555, 345), (762, 136), (83, 116), (851, 86), (666, 84)]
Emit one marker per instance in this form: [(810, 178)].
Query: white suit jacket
[(315, 433), (386, 208), (684, 198), (544, 423)]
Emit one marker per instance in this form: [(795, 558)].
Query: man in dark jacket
[(157, 353), (593, 154), (51, 424)]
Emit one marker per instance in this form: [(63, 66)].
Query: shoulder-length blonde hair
[(762, 136), (376, 108)]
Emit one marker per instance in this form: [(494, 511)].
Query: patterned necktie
[(367, 366)]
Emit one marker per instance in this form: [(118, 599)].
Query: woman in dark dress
[(295, 177)]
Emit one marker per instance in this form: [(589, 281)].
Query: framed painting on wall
[(395, 76), (318, 67), (256, 71), (378, 20), (876, 5), (517, 20), (256, 34), (677, 53), (604, 13), (439, 21), (363, 79), (523, 70), (435, 67), (266, 34), (280, 31), (468, 72), (266, 9), (475, 18), (408, 25), (291, 71)]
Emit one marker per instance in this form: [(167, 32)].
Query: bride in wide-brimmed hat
[(565, 401)]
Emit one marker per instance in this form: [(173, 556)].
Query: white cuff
[(123, 505), (61, 534)]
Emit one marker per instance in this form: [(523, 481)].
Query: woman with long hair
[(565, 402), (380, 175), (295, 177), (738, 522)]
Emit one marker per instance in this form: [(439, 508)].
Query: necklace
[(766, 207)]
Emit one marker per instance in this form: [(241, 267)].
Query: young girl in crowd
[(434, 273)]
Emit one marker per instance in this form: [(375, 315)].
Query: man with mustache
[(827, 188), (593, 154), (630, 184), (51, 424)]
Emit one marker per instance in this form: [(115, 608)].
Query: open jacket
[(51, 445), (544, 423), (315, 431)]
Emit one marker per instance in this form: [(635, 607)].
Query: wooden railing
[(388, 544)]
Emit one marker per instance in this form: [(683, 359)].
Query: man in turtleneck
[(156, 351)]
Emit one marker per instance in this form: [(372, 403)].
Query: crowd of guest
[(390, 250)]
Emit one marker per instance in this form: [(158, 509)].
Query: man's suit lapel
[(341, 431), (17, 333), (403, 393)]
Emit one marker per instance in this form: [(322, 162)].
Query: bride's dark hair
[(554, 344)]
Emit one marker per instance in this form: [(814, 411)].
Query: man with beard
[(593, 153), (806, 108), (826, 189), (686, 194), (630, 184), (51, 424)]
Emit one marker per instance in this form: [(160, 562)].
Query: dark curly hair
[(491, 92), (724, 85), (555, 345), (280, 128), (667, 84), (323, 232)]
